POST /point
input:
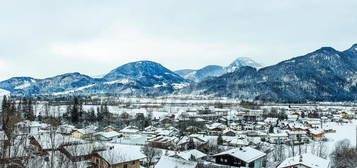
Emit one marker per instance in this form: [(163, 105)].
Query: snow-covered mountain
[(241, 62), (216, 70), (142, 77), (203, 73), (322, 75)]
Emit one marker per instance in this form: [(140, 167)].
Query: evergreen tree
[(75, 111), (271, 129), (27, 108), (220, 140)]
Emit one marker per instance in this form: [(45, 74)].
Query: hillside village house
[(83, 133), (107, 136), (163, 142), (168, 162), (278, 137), (118, 156), (189, 154), (241, 157), (109, 128), (305, 161), (317, 133), (82, 152)]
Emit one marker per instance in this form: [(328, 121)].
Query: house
[(313, 123), (216, 127), (164, 142), (229, 132), (129, 130), (270, 120), (118, 156), (51, 142), (66, 129), (238, 142), (189, 154), (107, 136), (28, 127), (305, 161), (295, 135), (81, 152), (109, 129), (241, 157), (317, 133), (171, 162), (235, 126), (83, 133), (184, 143), (278, 137)]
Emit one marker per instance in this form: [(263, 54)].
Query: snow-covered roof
[(163, 139), (186, 139), (120, 153), (194, 152), (84, 149), (216, 125), (129, 129), (246, 154), (283, 134), (48, 141), (85, 131), (110, 134), (237, 141), (308, 160), (316, 131), (170, 162)]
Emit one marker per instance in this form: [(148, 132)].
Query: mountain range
[(322, 75), (216, 70), (135, 78)]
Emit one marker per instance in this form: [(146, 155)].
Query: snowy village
[(166, 132)]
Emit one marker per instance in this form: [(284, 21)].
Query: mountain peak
[(242, 61), (326, 50)]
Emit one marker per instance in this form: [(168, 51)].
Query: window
[(125, 166), (133, 162)]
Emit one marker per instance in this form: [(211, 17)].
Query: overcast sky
[(50, 37)]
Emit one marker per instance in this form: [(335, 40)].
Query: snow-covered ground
[(343, 131)]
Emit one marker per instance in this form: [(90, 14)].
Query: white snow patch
[(23, 86), (121, 81), (74, 90), (160, 85), (180, 85)]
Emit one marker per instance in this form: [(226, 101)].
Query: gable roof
[(246, 154), (110, 134), (167, 162), (84, 149), (308, 160), (194, 152), (122, 153)]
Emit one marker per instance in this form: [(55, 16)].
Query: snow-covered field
[(343, 131)]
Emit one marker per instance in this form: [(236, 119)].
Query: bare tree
[(151, 153), (344, 155)]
